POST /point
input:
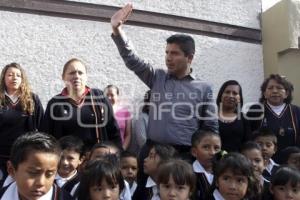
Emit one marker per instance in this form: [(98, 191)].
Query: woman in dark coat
[(276, 112), (81, 111)]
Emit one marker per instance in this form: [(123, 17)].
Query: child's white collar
[(12, 193), (60, 181), (270, 166), (217, 195), (198, 168)]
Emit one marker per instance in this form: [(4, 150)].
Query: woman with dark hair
[(20, 109), (234, 129), (80, 110), (276, 111)]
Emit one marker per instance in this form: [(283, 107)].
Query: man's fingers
[(127, 11)]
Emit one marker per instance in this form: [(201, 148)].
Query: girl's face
[(206, 149), (151, 162), (172, 191), (232, 186), (231, 96), (275, 93), (75, 76), (256, 158), (283, 192), (12, 79), (104, 191), (112, 95)]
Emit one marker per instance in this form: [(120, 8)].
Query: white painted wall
[(237, 12)]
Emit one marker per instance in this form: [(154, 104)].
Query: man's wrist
[(116, 31)]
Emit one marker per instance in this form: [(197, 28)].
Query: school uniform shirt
[(125, 193), (74, 189), (8, 181), (265, 193), (64, 117), (217, 195), (270, 169), (133, 188), (204, 180), (67, 183), (12, 193), (55, 193), (15, 122), (283, 120), (150, 184)]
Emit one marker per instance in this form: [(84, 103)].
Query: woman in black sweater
[(233, 127), (80, 111), (20, 109)]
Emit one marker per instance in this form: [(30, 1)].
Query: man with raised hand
[(180, 104)]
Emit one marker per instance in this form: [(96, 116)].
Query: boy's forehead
[(70, 151), (266, 138), (38, 159)]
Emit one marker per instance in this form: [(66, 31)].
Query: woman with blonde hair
[(20, 109), (80, 110)]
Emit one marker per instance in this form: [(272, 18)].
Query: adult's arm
[(209, 119), (38, 112), (141, 68), (48, 124)]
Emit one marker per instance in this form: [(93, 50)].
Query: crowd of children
[(42, 168)]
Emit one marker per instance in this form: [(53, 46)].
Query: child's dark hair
[(95, 172), (200, 134), (238, 164), (105, 145), (72, 143), (250, 145), (181, 172), (32, 141), (284, 154), (265, 132), (285, 175), (127, 154), (165, 152)]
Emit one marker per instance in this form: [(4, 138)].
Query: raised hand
[(121, 16)]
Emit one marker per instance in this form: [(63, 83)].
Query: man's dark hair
[(185, 42), (32, 141)]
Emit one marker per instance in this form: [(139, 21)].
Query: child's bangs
[(286, 176), (179, 173), (99, 176), (236, 168)]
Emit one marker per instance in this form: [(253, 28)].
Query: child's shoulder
[(61, 194)]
